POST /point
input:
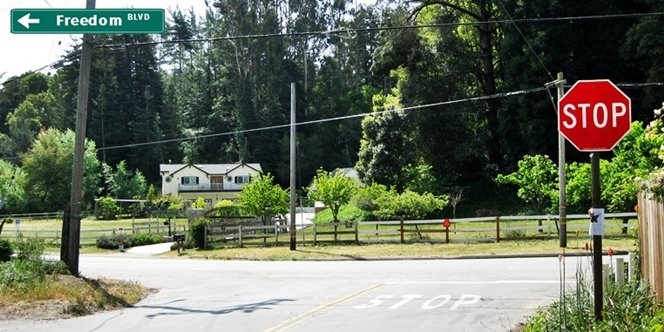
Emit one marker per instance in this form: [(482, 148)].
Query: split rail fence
[(466, 230)]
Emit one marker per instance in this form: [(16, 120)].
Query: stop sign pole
[(594, 116)]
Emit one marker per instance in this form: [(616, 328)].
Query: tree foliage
[(428, 132), (123, 183), (263, 198), (48, 170), (536, 179), (333, 189), (409, 205)]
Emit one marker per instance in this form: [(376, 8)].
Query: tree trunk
[(488, 83)]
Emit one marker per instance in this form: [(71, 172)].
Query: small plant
[(199, 203), (114, 241), (30, 249), (197, 232), (108, 208), (146, 239), (515, 234), (6, 250), (226, 208)]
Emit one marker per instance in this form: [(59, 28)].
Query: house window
[(242, 179), (189, 180)]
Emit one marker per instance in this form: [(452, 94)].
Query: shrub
[(366, 197), (409, 205), (146, 239), (515, 234), (28, 269), (629, 307), (199, 203), (6, 250), (29, 248), (108, 208), (197, 232), (226, 208), (113, 241)]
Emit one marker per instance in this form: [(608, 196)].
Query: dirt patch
[(94, 296)]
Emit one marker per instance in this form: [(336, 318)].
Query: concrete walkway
[(150, 250)]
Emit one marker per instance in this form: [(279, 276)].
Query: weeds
[(628, 307)]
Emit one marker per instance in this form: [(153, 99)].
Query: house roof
[(210, 169)]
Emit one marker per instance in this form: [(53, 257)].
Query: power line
[(526, 40), (54, 65), (357, 30), (338, 118), (347, 31)]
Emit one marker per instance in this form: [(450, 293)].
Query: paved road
[(424, 295)]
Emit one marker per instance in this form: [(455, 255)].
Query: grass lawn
[(401, 251)]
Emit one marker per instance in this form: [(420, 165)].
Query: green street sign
[(92, 21)]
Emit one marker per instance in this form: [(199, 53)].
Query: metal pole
[(597, 239), (74, 221), (562, 201), (293, 229)]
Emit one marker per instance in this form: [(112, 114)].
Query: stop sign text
[(599, 114)]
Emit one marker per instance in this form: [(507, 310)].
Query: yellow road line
[(292, 321)]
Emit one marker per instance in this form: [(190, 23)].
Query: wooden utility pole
[(562, 197), (71, 227), (293, 229)]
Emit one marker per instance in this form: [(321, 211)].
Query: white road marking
[(496, 282)]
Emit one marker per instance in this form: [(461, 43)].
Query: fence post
[(620, 271), (497, 228), (631, 266), (240, 230), (205, 233), (276, 233), (401, 229), (315, 234), (357, 235)]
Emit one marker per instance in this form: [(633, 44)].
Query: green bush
[(146, 239), (366, 198), (113, 241), (197, 232), (29, 248), (108, 208), (629, 307), (6, 250), (226, 208), (409, 205), (28, 269)]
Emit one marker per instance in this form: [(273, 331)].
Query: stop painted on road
[(392, 302)]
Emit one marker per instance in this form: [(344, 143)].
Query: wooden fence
[(467, 230), (89, 236), (651, 245)]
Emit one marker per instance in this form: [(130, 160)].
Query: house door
[(216, 183)]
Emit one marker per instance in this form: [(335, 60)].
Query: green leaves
[(333, 189), (261, 197), (409, 205), (536, 180), (47, 166)]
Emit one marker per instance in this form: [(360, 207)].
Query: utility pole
[(292, 227), (72, 223), (562, 198), (562, 193)]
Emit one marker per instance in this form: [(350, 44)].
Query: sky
[(24, 52)]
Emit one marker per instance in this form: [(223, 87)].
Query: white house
[(213, 182)]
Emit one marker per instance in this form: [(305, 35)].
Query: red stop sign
[(594, 115)]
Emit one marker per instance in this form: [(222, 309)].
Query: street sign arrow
[(26, 21)]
